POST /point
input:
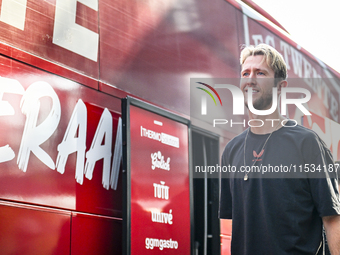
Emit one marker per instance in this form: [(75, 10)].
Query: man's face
[(260, 77)]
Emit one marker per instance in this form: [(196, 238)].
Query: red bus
[(66, 65)]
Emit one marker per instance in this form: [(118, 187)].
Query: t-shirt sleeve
[(225, 211), (325, 195), (325, 191)]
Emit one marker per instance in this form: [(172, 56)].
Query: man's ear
[(280, 85)]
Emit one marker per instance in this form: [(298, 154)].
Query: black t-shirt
[(280, 214)]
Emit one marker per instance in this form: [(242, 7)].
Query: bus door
[(205, 149)]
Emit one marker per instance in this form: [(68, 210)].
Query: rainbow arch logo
[(209, 93)]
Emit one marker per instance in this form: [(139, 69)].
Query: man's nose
[(251, 79)]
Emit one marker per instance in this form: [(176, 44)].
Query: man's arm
[(332, 227)]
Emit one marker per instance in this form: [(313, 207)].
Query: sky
[(313, 24)]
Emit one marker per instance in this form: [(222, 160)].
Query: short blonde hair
[(272, 57)]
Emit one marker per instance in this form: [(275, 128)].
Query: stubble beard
[(262, 103)]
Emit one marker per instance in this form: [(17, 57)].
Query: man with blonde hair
[(283, 214)]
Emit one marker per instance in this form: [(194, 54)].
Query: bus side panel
[(93, 234), (152, 49), (28, 230)]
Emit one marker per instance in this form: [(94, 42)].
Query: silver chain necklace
[(245, 178)]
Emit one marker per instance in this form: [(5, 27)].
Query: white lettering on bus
[(157, 160), (150, 134), (13, 13), (66, 32), (161, 191), (161, 217), (101, 151), (71, 36), (161, 244), (13, 87), (161, 137), (71, 144), (34, 134)]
